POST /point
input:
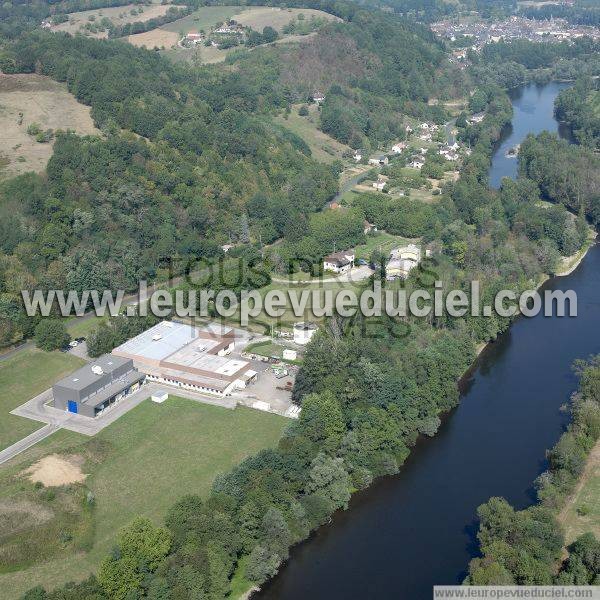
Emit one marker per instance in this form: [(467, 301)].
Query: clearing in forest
[(33, 99), (117, 15)]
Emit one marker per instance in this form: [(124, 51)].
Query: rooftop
[(90, 373), (159, 341)]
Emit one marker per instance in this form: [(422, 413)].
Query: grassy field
[(323, 147), (142, 464), (27, 99), (382, 241), (202, 19), (582, 512), (22, 377), (206, 17), (278, 18), (82, 327), (117, 15)]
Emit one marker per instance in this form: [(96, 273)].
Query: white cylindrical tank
[(303, 332)]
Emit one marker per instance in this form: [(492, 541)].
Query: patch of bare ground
[(28, 99), (56, 470)]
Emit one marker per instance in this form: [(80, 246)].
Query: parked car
[(73, 344), (362, 262)]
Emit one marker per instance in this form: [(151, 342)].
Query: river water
[(409, 532)]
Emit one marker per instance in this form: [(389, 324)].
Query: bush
[(303, 111), (51, 334)]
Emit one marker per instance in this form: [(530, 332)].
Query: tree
[(51, 334)]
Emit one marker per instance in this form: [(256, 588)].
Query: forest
[(579, 106)]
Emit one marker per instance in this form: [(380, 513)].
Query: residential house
[(416, 164), (339, 262), (318, 97), (379, 185), (399, 147), (379, 160)]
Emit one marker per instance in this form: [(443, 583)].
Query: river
[(409, 532)]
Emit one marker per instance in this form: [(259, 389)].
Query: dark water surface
[(409, 532)]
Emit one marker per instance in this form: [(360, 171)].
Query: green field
[(22, 377), (382, 241), (323, 147), (203, 18), (83, 326), (142, 464)]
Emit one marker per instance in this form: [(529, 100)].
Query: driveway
[(355, 275)]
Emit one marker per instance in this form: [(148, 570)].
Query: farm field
[(278, 18), (139, 465), (206, 17), (118, 15), (323, 147), (582, 512), (22, 377), (27, 99)]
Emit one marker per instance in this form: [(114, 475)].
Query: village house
[(358, 154), (379, 160), (318, 97), (399, 147), (416, 164), (339, 262), (379, 184), (402, 260), (477, 117)]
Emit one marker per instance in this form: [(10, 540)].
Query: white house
[(379, 185), (318, 97), (379, 160), (398, 148), (416, 164), (357, 155), (339, 262)]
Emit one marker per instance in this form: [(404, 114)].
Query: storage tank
[(303, 332)]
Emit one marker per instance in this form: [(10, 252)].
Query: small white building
[(159, 397), (379, 185), (416, 164), (357, 156), (303, 332), (339, 262), (399, 147), (289, 354), (318, 97)]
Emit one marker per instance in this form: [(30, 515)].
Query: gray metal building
[(95, 387)]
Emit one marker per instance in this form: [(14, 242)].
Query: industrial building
[(97, 386), (193, 358)]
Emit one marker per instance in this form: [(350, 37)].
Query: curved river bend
[(409, 532)]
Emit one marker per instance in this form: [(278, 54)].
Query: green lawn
[(83, 326), (382, 241), (142, 464), (22, 377)]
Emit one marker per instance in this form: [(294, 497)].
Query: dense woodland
[(579, 106), (525, 547)]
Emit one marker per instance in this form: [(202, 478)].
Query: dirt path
[(591, 467)]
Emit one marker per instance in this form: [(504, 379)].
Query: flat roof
[(195, 356), (113, 389), (159, 341), (84, 376)]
